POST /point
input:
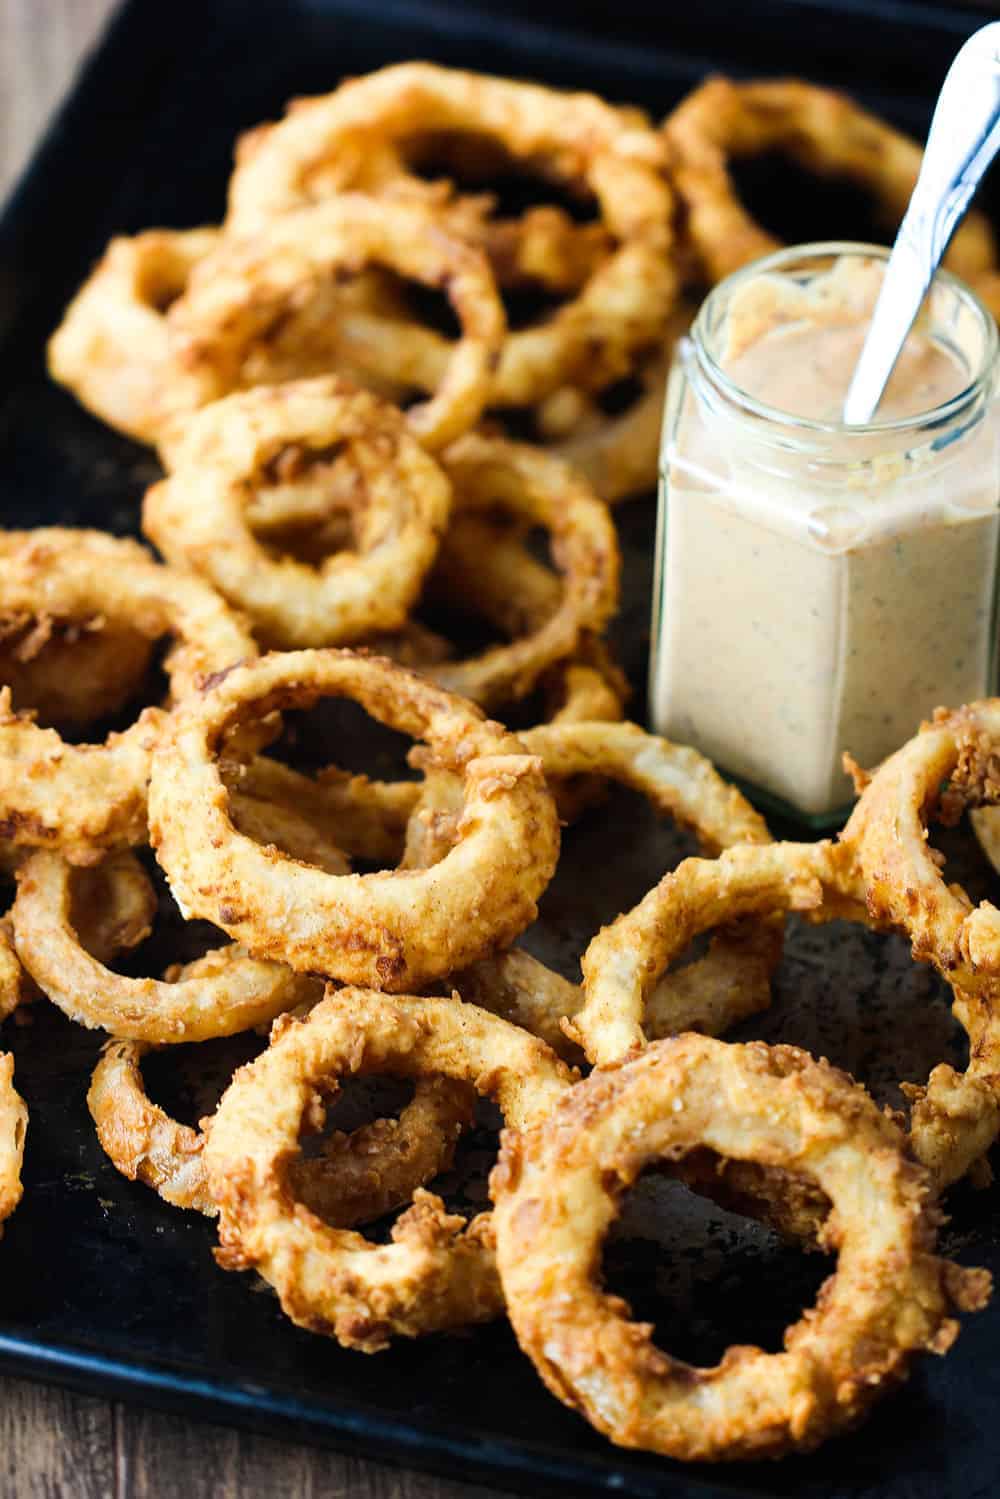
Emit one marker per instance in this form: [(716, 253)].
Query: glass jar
[(820, 588)]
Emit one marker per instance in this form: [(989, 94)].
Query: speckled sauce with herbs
[(828, 596)]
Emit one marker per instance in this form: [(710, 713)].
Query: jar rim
[(936, 416)]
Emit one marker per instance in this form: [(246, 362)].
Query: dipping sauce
[(822, 588)]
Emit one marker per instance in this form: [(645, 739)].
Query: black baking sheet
[(105, 1288)]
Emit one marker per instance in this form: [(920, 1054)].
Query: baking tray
[(106, 1289)]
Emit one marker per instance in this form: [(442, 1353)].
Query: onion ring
[(82, 798), (710, 994), (485, 563), (888, 831), (391, 930), (543, 247), (325, 145), (826, 132), (74, 674), (357, 1178), (112, 349), (439, 1272), (112, 906), (624, 961), (232, 991), (558, 1187), (953, 1120), (956, 1117), (197, 517), (235, 296), (537, 490), (13, 1128)]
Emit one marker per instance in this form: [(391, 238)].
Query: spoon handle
[(964, 137)]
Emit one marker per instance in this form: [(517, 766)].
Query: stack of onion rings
[(260, 358)]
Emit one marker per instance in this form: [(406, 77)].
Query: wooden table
[(52, 1443)]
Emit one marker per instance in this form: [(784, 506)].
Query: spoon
[(964, 137)]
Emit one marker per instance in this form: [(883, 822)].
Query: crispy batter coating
[(239, 291), (824, 131), (439, 1271), (400, 502), (394, 930), (558, 1187), (953, 1120), (84, 798), (356, 1178)]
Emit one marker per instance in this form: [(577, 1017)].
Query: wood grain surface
[(53, 1444)]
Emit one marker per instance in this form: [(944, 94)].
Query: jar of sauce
[(822, 588)]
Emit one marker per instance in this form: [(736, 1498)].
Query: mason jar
[(820, 588)]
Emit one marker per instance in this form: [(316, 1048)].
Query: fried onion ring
[(393, 930), (558, 1188), (484, 562), (956, 1117), (825, 132), (537, 491), (71, 674), (888, 829), (624, 961), (357, 1178), (231, 991), (197, 517), (82, 798), (13, 1128), (678, 781), (710, 994), (439, 1271), (325, 145), (112, 348), (238, 293), (953, 1120)]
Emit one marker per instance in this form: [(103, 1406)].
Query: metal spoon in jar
[(964, 137)]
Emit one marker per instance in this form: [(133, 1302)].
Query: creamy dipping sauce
[(827, 595)]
